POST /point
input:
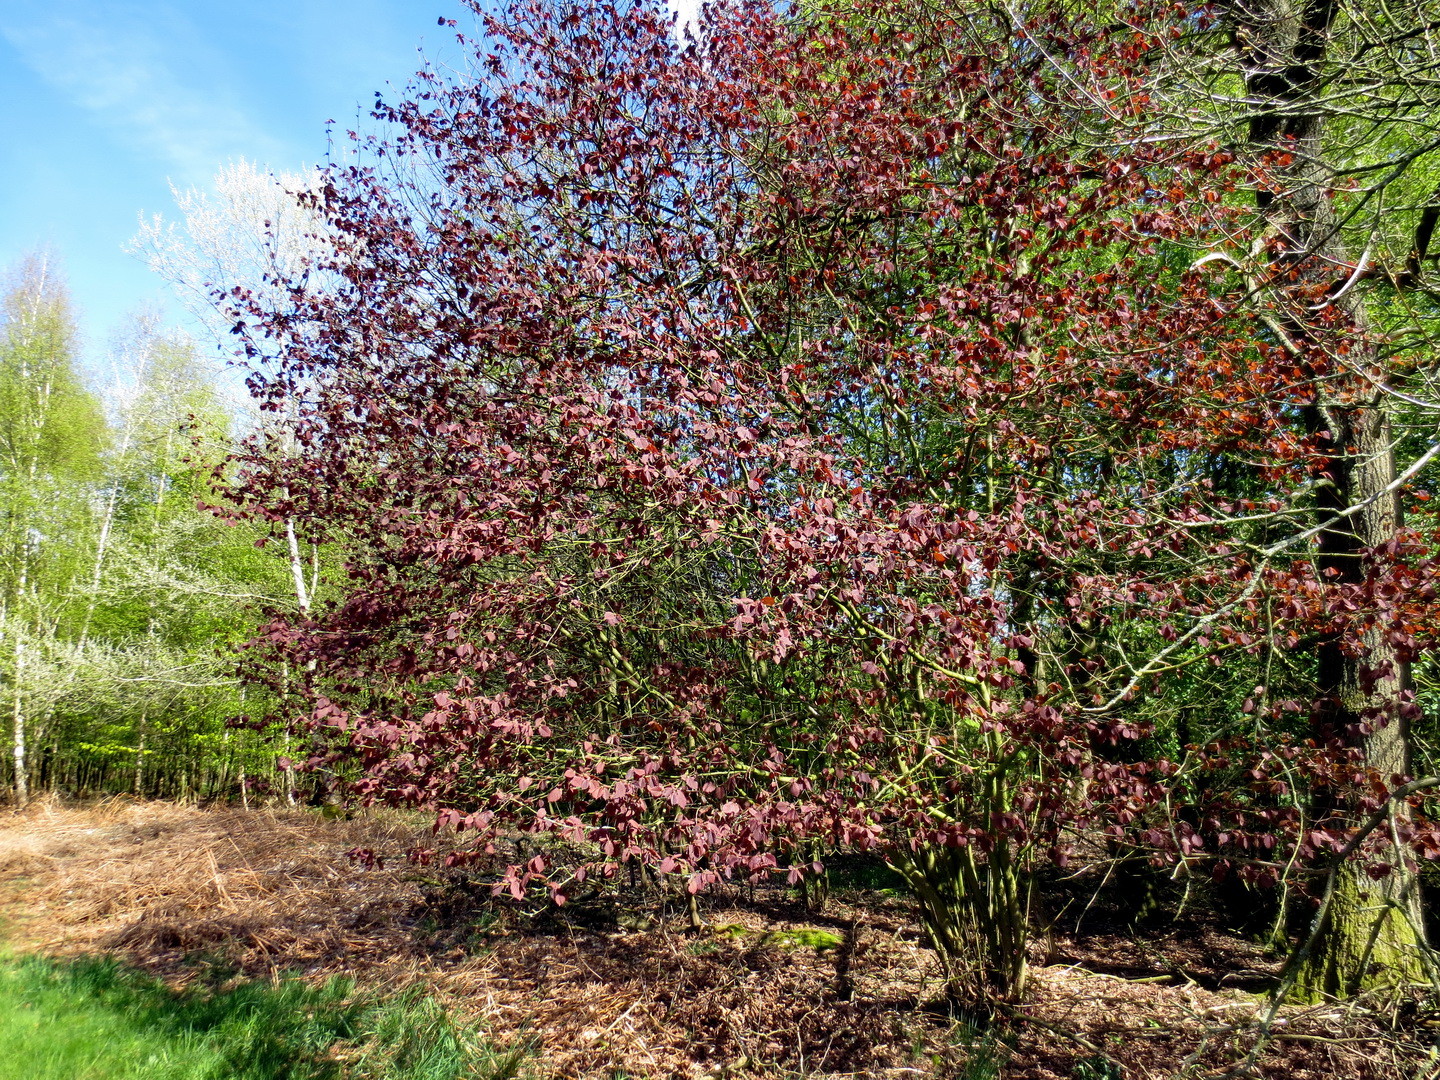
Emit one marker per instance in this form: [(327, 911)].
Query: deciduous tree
[(806, 434)]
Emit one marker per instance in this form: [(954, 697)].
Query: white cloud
[(123, 71)]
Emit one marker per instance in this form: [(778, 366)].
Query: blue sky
[(107, 102)]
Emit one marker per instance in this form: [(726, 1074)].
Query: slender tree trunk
[(137, 786), (302, 601), (297, 568), (97, 571), (17, 723), (1371, 935), (244, 782)]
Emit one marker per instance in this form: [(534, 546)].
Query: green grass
[(98, 1020)]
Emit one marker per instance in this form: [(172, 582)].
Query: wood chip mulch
[(619, 989)]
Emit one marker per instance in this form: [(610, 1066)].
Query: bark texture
[(1370, 935)]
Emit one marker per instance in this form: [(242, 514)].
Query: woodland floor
[(616, 988)]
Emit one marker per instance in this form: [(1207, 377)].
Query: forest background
[(127, 593)]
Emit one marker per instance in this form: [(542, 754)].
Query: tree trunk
[(17, 718), (137, 787), (1371, 933), (976, 917), (289, 770)]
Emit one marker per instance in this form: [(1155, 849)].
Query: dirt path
[(620, 991)]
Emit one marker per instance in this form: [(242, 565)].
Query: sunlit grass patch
[(98, 1020)]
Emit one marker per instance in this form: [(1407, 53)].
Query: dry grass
[(160, 882), (174, 888)]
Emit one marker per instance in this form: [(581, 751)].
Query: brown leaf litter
[(616, 987)]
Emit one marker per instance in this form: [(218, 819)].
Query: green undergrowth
[(96, 1019)]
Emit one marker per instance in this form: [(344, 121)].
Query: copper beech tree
[(826, 432)]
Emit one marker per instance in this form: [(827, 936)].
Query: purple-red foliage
[(804, 433)]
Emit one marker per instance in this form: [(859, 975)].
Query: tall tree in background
[(160, 605), (122, 601), (51, 434), (1333, 106)]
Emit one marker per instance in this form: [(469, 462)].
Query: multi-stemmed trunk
[(974, 909), (975, 904)]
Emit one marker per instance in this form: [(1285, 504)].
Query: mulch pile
[(615, 987)]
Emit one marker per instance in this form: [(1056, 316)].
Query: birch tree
[(51, 431), (172, 587)]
